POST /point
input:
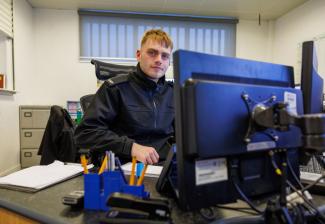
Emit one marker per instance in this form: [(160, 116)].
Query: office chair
[(85, 101), (106, 71)]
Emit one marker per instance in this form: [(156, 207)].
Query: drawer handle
[(28, 134), (27, 154), (28, 114)]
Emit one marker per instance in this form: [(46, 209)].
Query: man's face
[(154, 59)]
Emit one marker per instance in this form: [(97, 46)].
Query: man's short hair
[(159, 36)]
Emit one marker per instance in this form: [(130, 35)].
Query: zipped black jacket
[(127, 109)]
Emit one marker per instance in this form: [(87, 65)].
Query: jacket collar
[(142, 79)]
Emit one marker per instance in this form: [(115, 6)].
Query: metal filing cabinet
[(32, 122)]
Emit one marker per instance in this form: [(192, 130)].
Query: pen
[(103, 166), (117, 161), (142, 175), (83, 161), (113, 161), (107, 157), (134, 160)]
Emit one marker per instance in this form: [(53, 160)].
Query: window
[(6, 42), (116, 35)]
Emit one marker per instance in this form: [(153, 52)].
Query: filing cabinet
[(32, 122)]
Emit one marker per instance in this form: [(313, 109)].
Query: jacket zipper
[(155, 111)]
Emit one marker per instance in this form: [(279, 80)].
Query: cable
[(308, 202), (275, 166), (294, 174), (291, 185), (314, 183), (241, 209), (245, 198)]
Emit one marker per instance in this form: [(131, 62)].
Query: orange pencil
[(83, 161), (142, 175), (134, 161), (103, 166)]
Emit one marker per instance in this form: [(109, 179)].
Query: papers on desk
[(152, 171), (35, 178)]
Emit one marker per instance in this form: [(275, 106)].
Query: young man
[(133, 115)]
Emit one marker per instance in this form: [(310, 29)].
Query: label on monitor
[(291, 100), (255, 146), (210, 171)]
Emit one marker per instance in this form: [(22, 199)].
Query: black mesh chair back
[(106, 71)]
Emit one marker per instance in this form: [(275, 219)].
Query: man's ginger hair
[(157, 35)]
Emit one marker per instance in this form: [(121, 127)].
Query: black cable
[(302, 190), (247, 210), (315, 212), (314, 183), (294, 174), (291, 185), (233, 175), (308, 202), (315, 216), (246, 199)]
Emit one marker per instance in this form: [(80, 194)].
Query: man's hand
[(145, 154)]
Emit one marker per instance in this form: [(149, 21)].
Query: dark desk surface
[(46, 207)]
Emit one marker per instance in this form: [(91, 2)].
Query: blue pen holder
[(135, 190), (98, 188)]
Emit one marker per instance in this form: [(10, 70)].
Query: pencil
[(103, 166), (134, 160), (139, 183), (83, 161)]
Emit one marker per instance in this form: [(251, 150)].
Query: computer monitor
[(311, 81), (214, 98)]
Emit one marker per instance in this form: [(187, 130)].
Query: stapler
[(127, 205)]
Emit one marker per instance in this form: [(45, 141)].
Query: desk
[(46, 207)]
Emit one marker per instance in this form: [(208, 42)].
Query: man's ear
[(138, 55)]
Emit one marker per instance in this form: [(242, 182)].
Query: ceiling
[(242, 9)]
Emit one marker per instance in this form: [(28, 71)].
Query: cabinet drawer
[(31, 138), (34, 118), (29, 157)]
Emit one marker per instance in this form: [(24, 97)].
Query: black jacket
[(127, 109), (57, 142)]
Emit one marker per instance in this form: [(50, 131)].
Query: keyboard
[(310, 173)]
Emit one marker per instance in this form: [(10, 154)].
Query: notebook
[(35, 178)]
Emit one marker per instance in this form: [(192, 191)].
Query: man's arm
[(94, 131), (145, 154)]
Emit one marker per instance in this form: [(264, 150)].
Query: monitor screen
[(216, 144), (311, 81)]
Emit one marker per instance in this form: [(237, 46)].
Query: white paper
[(152, 171), (38, 177)]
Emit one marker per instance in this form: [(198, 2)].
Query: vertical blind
[(107, 36), (6, 17)]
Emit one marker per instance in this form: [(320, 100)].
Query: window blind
[(116, 36), (6, 15)]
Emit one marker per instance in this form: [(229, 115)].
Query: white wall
[(255, 41), (300, 24), (59, 76), (9, 114)]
